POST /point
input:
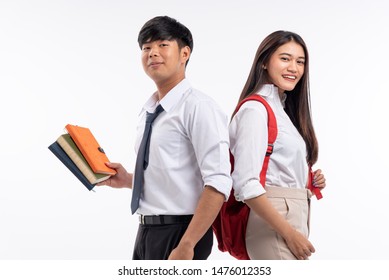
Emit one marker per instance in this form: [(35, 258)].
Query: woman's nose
[(292, 67)]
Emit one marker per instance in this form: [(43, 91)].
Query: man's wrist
[(187, 243)]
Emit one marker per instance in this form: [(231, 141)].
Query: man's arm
[(211, 149), (207, 209)]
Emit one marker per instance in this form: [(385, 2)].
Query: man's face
[(163, 61)]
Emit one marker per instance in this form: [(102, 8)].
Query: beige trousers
[(262, 242)]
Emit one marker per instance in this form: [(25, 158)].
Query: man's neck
[(165, 87)]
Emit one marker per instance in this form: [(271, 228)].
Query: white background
[(79, 62)]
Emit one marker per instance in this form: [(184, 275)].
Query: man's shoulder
[(202, 107), (197, 96)]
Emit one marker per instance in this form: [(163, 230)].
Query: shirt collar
[(268, 90), (271, 91), (169, 100)]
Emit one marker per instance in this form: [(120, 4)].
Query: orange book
[(90, 149)]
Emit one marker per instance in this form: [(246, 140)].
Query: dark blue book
[(56, 149)]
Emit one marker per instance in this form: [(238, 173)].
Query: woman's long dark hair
[(298, 101)]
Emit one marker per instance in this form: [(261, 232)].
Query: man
[(185, 173)]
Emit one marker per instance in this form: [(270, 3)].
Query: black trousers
[(155, 242)]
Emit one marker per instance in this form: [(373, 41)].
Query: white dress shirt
[(248, 139), (188, 150)]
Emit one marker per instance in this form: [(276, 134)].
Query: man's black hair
[(165, 28)]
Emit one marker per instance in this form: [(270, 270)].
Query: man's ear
[(185, 54)]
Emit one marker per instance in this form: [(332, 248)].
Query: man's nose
[(153, 51)]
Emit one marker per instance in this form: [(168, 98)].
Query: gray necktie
[(142, 159)]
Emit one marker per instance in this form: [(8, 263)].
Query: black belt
[(164, 219)]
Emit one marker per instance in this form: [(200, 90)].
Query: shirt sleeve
[(208, 131), (248, 138)]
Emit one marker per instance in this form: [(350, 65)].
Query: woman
[(278, 224)]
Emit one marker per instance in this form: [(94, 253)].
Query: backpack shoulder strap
[(272, 132)]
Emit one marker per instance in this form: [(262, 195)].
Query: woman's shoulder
[(251, 111), (253, 105)]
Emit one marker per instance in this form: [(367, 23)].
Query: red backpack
[(230, 224)]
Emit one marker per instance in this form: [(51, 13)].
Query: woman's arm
[(297, 243)]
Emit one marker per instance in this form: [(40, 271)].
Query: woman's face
[(286, 66)]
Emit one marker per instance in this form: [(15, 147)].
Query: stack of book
[(79, 151)]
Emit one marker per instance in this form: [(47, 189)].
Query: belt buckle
[(142, 219)]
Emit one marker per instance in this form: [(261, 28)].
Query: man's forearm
[(207, 209)]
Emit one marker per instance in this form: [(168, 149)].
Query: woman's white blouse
[(248, 143)]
